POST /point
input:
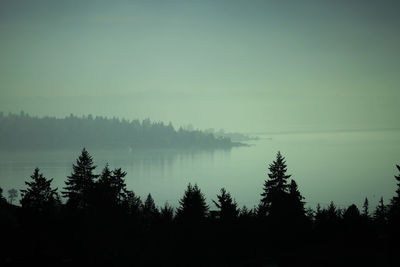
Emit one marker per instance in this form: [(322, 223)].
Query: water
[(344, 167)]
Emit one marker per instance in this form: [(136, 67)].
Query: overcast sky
[(240, 65)]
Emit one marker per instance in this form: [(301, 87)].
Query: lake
[(342, 166)]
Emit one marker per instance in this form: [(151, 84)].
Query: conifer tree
[(12, 194), (245, 213), (104, 193), (167, 213), (228, 209), (39, 195), (366, 208), (150, 211), (193, 207), (380, 213), (118, 183), (394, 208), (2, 198), (296, 196), (295, 204), (333, 214), (131, 203), (110, 189), (80, 184), (395, 202), (275, 188)]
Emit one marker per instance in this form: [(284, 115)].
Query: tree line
[(102, 221), (21, 131)]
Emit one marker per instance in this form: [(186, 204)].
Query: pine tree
[(39, 195), (296, 203), (149, 210), (118, 183), (131, 203), (366, 208), (245, 213), (80, 184), (394, 208), (396, 199), (395, 202), (333, 214), (2, 198), (228, 209), (380, 214), (110, 189), (275, 188), (167, 213), (104, 194), (12, 194), (193, 207)]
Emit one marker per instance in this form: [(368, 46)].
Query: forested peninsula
[(22, 131)]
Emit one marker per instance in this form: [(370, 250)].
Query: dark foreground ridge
[(104, 223), (26, 132)]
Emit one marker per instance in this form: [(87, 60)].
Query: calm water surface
[(344, 167)]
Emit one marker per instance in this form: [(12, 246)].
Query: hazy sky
[(239, 65)]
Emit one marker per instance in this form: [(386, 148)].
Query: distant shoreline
[(22, 131)]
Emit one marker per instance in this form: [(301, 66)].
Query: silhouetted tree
[(149, 210), (366, 208), (80, 184), (118, 183), (1, 195), (131, 203), (380, 214), (104, 195), (327, 219), (276, 185), (12, 194), (296, 199), (3, 200), (246, 213), (167, 213), (193, 207), (228, 210), (352, 220), (320, 215), (39, 196), (110, 188), (333, 212), (351, 213), (394, 207), (275, 202)]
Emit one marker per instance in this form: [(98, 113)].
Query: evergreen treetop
[(193, 207), (39, 195), (228, 209), (80, 183), (277, 182)]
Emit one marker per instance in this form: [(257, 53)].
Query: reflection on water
[(343, 166)]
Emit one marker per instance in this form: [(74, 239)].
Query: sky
[(248, 66)]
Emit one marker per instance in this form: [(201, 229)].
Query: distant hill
[(21, 131)]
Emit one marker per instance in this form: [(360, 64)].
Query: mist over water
[(343, 166)]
